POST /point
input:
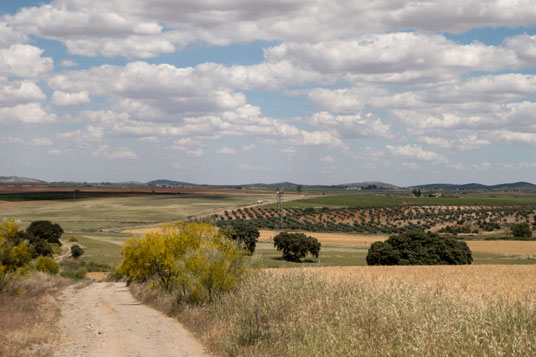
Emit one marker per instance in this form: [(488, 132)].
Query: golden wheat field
[(352, 240), (504, 247), (512, 282)]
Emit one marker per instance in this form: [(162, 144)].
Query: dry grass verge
[(28, 315), (373, 311)]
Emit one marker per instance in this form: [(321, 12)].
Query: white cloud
[(148, 139), (41, 142), (24, 61), (31, 113), (10, 37), (247, 167), (351, 126), (83, 137), (119, 154), (250, 147), (33, 142), (459, 143), (226, 151), (68, 63), (512, 137), (327, 159), (415, 152), (144, 28), (68, 99), (55, 152), (14, 140), (411, 165), (19, 92)]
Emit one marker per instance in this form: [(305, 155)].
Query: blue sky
[(234, 91)]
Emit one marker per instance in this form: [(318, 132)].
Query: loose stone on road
[(104, 319)]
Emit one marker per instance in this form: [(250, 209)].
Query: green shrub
[(521, 230), (73, 239), (51, 232), (46, 265), (419, 248), (80, 273), (14, 254), (76, 251), (296, 246), (56, 248), (193, 261)]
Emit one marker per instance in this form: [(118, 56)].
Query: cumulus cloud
[(327, 159), (512, 137), (31, 113), (21, 60), (118, 154), (415, 152), (351, 126), (19, 92), (226, 151), (68, 99), (143, 28), (83, 138), (32, 142), (68, 63)]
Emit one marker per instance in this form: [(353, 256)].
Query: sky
[(241, 91)]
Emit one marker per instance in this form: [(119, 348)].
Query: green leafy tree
[(244, 233), (521, 230), (51, 232), (76, 251), (296, 246), (419, 248), (40, 247)]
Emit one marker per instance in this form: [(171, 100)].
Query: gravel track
[(104, 319)]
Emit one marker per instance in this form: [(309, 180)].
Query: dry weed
[(28, 315)]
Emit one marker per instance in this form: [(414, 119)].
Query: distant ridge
[(169, 183), (477, 186), (17, 180), (378, 184)]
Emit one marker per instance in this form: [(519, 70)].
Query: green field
[(85, 218), (94, 214), (106, 249), (384, 200)]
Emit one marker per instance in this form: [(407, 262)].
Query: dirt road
[(104, 319)]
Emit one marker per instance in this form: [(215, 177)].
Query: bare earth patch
[(104, 319)]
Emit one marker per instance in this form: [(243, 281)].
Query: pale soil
[(104, 319)]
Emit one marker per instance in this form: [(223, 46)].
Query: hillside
[(378, 184), (477, 186), (17, 180)]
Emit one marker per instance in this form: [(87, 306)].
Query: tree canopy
[(296, 246), (51, 232), (419, 248), (244, 233)]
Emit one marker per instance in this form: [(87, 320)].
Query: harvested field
[(352, 240), (504, 247)]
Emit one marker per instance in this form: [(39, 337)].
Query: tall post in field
[(279, 207)]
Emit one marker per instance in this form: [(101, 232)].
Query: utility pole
[(279, 207)]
